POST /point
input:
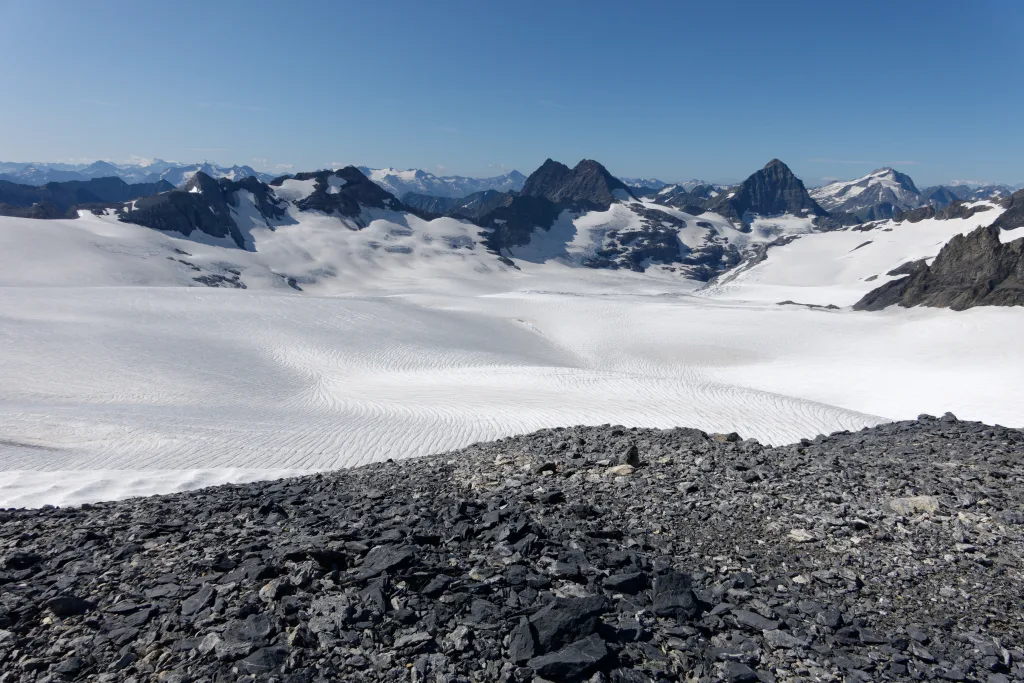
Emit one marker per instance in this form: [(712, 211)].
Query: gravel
[(603, 554)]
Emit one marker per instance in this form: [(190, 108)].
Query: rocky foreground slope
[(590, 553)]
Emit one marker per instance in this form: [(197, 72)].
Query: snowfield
[(118, 378)]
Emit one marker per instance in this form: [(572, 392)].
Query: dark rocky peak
[(588, 186), (545, 180), (772, 191), (202, 183)]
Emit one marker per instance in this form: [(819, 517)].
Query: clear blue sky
[(669, 89)]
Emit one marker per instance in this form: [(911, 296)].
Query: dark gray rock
[(384, 558), (567, 619), (631, 582), (68, 605), (571, 662), (522, 645), (673, 596), (199, 600), (264, 661)]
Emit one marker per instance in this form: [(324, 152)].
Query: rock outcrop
[(581, 554), (976, 269)]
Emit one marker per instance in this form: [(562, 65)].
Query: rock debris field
[(599, 554)]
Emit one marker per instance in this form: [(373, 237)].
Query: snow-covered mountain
[(644, 183), (878, 195), (148, 171), (180, 175), (579, 217), (418, 181)]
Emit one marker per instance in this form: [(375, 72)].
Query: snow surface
[(121, 379), (295, 190)]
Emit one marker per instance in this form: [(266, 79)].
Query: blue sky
[(668, 89)]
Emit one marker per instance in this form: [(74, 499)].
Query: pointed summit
[(772, 191)]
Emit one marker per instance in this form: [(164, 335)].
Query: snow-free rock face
[(977, 269), (772, 191), (589, 185), (578, 554), (876, 196)]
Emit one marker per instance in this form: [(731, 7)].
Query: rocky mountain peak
[(202, 183), (772, 191), (588, 185)]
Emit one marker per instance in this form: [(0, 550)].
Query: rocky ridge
[(205, 205), (61, 199), (603, 554), (977, 269)]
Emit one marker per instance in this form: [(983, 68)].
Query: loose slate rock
[(522, 561), (199, 600), (567, 619), (673, 596), (572, 661), (68, 605)]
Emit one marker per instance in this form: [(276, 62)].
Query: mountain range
[(56, 199), (151, 171), (582, 216), (886, 192), (400, 183)]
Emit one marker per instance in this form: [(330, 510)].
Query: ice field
[(118, 380)]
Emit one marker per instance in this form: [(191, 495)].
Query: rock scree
[(600, 554)]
